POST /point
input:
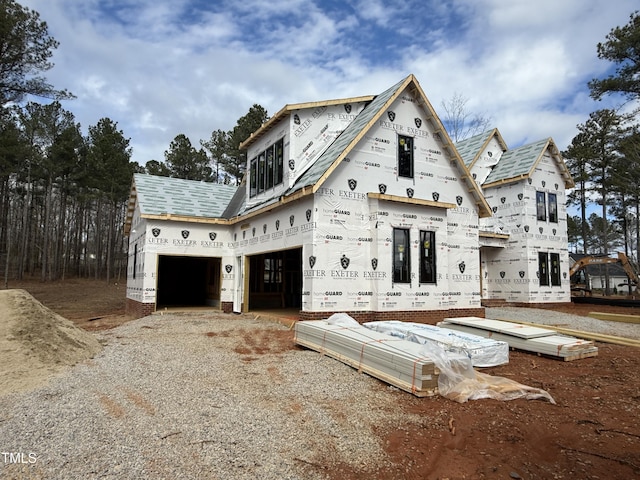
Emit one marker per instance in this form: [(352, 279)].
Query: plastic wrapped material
[(342, 320), (483, 352), (460, 382)]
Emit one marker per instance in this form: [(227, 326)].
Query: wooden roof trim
[(410, 201), (298, 194), (185, 218), (495, 133), (505, 181), (365, 129), (500, 236), (287, 109), (484, 210)]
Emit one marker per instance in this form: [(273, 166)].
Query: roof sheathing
[(164, 196), (286, 111), (312, 179), (472, 148), (520, 163)]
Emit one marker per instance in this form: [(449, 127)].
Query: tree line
[(604, 157), (64, 195)]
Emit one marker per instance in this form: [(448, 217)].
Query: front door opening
[(275, 280)]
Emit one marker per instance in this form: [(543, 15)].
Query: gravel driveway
[(196, 396), (210, 396)]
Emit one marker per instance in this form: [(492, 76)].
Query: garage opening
[(188, 281), (275, 280)]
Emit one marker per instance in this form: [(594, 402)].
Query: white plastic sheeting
[(483, 352)]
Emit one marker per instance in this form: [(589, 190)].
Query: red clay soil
[(593, 432)]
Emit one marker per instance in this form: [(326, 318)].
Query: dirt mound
[(36, 342)]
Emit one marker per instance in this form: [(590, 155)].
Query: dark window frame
[(405, 156), (553, 207), (541, 206), (554, 270), (543, 269), (428, 272), (401, 260)]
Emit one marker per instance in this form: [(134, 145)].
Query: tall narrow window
[(253, 178), (135, 259), (553, 208), (405, 156), (555, 269), (270, 166), (261, 172), (401, 256), (543, 268), (279, 161), (427, 257), (541, 206)]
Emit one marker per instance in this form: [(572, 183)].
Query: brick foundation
[(423, 316), (138, 309)]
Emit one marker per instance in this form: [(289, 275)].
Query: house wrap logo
[(184, 242), (352, 183), (308, 214), (374, 263), (292, 164), (344, 261), (211, 243), (392, 115), (382, 188), (311, 273), (410, 192), (347, 108), (155, 231), (435, 196), (155, 240), (344, 273), (418, 122), (296, 119), (212, 236), (277, 225), (228, 268), (459, 200)]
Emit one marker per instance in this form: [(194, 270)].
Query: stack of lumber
[(525, 337), (482, 351), (400, 363)]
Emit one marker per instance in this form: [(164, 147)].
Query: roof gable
[(520, 163), (470, 149), (319, 171)]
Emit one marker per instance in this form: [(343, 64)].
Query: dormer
[(280, 151)]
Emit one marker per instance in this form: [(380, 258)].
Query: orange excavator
[(580, 284)]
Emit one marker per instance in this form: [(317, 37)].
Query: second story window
[(541, 206), (405, 156), (553, 208), (266, 169)]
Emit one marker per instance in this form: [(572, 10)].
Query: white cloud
[(161, 67)]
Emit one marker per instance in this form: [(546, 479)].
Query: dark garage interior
[(188, 281)]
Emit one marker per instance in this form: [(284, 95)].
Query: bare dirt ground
[(593, 432)]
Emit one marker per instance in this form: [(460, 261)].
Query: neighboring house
[(361, 205), (523, 245)]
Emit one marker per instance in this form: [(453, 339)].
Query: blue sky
[(164, 67)]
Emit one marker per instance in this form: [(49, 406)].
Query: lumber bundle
[(525, 337), (482, 351), (400, 363)]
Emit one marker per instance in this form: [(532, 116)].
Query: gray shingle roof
[(175, 196), (469, 148), (320, 166), (517, 162)]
